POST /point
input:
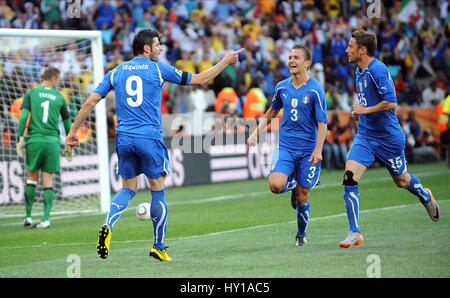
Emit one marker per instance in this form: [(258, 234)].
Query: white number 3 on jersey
[(294, 111)]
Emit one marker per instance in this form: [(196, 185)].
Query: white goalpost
[(83, 184)]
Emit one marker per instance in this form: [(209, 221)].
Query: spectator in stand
[(446, 111), (414, 126), (336, 151), (202, 98), (338, 44), (410, 140), (426, 147), (432, 95), (422, 71), (104, 14), (415, 50)]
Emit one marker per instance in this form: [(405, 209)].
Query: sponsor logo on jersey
[(179, 72)]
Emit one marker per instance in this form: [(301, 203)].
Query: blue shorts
[(390, 153), (296, 165), (138, 155)]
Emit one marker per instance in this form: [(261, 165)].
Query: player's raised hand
[(72, 140), (232, 57)]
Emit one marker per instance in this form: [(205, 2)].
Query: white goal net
[(83, 184)]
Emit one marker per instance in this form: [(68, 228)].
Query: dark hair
[(307, 52), (142, 38), (366, 39), (49, 73)]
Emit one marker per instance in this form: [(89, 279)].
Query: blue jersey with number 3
[(373, 86), (303, 108), (138, 89)]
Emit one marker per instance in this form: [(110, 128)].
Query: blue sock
[(118, 205), (416, 188), (302, 219), (158, 212), (351, 199)]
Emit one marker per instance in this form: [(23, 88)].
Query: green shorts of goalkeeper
[(42, 159)]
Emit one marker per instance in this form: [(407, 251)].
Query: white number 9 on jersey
[(137, 91)]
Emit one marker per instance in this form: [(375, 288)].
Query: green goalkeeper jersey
[(45, 105)]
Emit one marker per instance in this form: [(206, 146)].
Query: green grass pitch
[(242, 230)]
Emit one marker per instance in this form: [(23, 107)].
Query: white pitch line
[(229, 197), (255, 194), (221, 232)]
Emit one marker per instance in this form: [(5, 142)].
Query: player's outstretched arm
[(205, 76), (265, 120), (85, 111)]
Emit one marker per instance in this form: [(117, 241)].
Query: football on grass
[(143, 211)]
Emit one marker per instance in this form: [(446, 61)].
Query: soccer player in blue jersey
[(301, 136), (380, 136), (139, 142)]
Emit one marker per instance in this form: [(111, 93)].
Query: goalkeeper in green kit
[(39, 140)]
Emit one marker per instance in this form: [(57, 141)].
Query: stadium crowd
[(412, 41)]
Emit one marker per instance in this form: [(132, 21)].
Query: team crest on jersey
[(179, 72), (305, 99), (365, 83)]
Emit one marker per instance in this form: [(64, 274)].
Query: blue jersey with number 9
[(138, 89)]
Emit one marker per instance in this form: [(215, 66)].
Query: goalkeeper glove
[(68, 153), (20, 147)]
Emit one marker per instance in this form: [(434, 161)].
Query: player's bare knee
[(302, 195), (33, 176), (47, 180), (348, 179), (157, 184), (130, 184), (276, 186), (304, 192), (401, 183)]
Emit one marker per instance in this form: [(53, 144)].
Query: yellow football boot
[(160, 254), (104, 240)]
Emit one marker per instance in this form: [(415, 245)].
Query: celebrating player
[(380, 136), (39, 135), (302, 134), (139, 143)]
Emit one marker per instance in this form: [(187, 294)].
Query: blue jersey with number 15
[(138, 89), (374, 85)]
